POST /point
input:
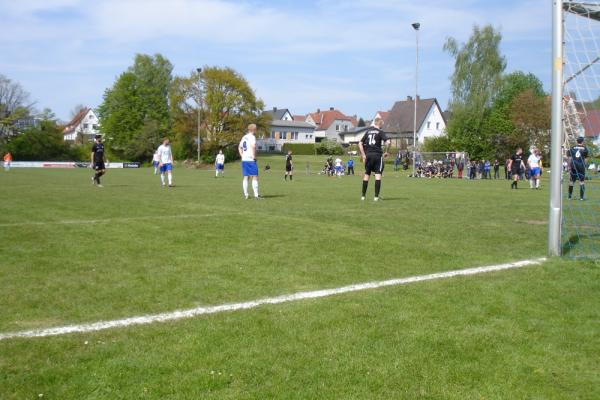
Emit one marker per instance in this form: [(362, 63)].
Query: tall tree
[(135, 112), (14, 105), (477, 78), (227, 105)]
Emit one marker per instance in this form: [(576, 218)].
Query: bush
[(43, 143), (329, 147), (305, 149)]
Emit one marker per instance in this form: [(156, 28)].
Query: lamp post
[(416, 27), (199, 70)]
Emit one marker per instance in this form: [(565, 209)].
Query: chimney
[(418, 98), (331, 108), (274, 109), (409, 98), (318, 110)]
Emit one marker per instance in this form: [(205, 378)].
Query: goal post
[(574, 225)]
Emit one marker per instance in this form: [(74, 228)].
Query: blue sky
[(355, 55)]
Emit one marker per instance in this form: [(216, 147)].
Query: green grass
[(72, 253)]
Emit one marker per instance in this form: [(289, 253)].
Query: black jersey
[(517, 159), (98, 150), (288, 159), (578, 154), (373, 140)]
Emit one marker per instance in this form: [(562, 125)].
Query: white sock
[(155, 170), (162, 178), (245, 186), (531, 183), (216, 173), (170, 176), (255, 187), (537, 183)]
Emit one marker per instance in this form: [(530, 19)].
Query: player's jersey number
[(244, 146), (372, 141)]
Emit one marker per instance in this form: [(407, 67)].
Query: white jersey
[(534, 161), (164, 154), (247, 143), (338, 162), (220, 158), (155, 157)]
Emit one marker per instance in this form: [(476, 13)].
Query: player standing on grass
[(535, 169), (98, 160), (576, 158), (165, 157), (220, 164), (289, 166), (516, 165), (373, 155), (247, 150)]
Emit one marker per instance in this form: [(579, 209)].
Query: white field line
[(193, 312), (116, 219)]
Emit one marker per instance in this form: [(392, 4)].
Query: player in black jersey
[(515, 166), (576, 159), (373, 155), (98, 160), (289, 166)]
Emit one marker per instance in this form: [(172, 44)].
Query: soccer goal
[(574, 225)]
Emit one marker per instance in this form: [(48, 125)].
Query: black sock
[(512, 185), (581, 191), (377, 187), (365, 186), (97, 177), (285, 177), (291, 177), (570, 191)]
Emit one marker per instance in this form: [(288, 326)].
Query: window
[(437, 126), (85, 126), (294, 135), (337, 128), (429, 125), (91, 117), (345, 128), (272, 134), (95, 127)]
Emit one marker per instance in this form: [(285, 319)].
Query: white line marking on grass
[(193, 312), (116, 219)]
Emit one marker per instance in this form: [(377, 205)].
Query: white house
[(284, 129), (85, 124), (331, 124), (399, 121)]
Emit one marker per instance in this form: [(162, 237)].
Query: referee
[(373, 155), (98, 158)]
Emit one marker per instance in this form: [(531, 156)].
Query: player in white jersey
[(155, 162), (220, 164), (338, 167), (247, 150), (535, 168), (165, 162)]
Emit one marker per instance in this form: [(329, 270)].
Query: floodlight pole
[(199, 70), (416, 27), (555, 216)]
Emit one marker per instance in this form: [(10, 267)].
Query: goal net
[(580, 230)]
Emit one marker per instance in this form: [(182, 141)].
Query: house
[(285, 129), (331, 124), (84, 126), (354, 135), (399, 121)]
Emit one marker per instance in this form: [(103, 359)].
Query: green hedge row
[(305, 149)]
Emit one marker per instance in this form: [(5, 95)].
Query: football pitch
[(71, 253)]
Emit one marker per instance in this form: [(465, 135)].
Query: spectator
[(496, 169)]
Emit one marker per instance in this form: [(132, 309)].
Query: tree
[(476, 80), (76, 110), (227, 106), (361, 123), (42, 143), (531, 115), (14, 105), (136, 108)]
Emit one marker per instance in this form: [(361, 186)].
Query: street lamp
[(199, 70), (416, 27)]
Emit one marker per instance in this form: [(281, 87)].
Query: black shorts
[(288, 168), (99, 166), (577, 174), (514, 172), (374, 164)]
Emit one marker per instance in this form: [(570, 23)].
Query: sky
[(355, 55)]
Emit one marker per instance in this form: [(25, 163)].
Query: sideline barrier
[(62, 164)]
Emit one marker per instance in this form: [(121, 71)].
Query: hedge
[(305, 149)]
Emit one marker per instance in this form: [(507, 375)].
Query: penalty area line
[(194, 312)]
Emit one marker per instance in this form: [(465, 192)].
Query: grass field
[(73, 253)]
